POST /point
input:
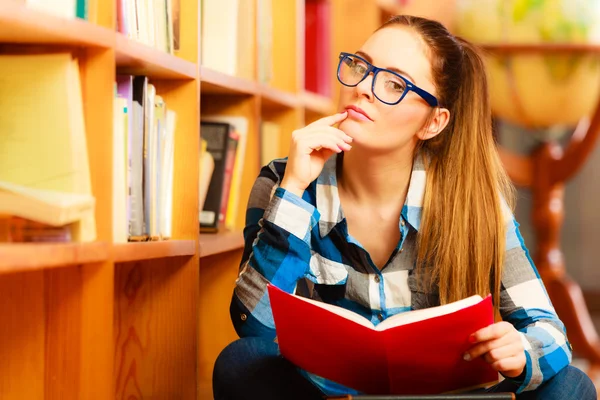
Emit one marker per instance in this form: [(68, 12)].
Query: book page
[(420, 315), (342, 312)]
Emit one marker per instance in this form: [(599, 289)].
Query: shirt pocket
[(323, 271)]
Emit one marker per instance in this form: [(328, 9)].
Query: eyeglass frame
[(428, 97)]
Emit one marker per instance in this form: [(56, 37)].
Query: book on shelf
[(21, 230), (221, 143), (270, 142), (147, 21), (48, 152), (62, 8), (246, 39), (317, 47), (220, 35), (148, 148), (416, 352), (240, 125), (264, 40), (27, 212)]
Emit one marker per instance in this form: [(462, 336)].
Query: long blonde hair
[(461, 239)]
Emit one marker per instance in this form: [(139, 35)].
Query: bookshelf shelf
[(214, 82), (316, 103), (125, 252), (217, 243), (139, 59), (19, 24), (19, 257), (275, 99)]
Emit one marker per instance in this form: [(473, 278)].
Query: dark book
[(458, 396), (216, 135)]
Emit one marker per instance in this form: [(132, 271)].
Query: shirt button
[(401, 250), (377, 279), (243, 317), (380, 316), (401, 222)]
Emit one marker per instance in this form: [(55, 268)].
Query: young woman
[(404, 205)]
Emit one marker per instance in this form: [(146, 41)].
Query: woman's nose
[(364, 87)]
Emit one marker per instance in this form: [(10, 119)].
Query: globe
[(543, 87)]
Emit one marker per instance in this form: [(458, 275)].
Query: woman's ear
[(437, 123)]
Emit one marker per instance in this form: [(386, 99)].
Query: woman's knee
[(237, 358), (574, 384)]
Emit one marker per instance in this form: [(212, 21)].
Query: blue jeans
[(252, 368)]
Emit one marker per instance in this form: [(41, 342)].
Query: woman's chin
[(351, 128)]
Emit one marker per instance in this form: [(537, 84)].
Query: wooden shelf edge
[(21, 24), (277, 99), (20, 257), (317, 103), (216, 243), (139, 59), (127, 252), (215, 82)]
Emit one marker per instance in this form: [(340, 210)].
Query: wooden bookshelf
[(212, 244), (317, 104), (19, 24), (21, 257), (101, 320), (275, 99), (139, 59), (126, 252), (215, 82)]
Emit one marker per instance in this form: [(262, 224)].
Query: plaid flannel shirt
[(302, 246)]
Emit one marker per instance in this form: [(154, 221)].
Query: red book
[(417, 352), (317, 44)]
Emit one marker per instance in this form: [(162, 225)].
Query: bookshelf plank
[(20, 24), (217, 243), (317, 104), (139, 59), (215, 82), (275, 99), (17, 257), (125, 252)]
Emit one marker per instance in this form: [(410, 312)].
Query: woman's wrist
[(292, 188)]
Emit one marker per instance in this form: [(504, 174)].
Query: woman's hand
[(500, 345), (311, 147)]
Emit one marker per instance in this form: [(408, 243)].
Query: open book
[(417, 352)]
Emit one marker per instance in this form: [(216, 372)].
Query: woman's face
[(389, 127)]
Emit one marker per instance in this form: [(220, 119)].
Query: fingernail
[(467, 357), (349, 139)]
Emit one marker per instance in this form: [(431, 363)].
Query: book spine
[(232, 144)]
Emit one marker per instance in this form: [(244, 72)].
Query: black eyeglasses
[(388, 86)]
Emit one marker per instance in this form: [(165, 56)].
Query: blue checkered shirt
[(302, 246)]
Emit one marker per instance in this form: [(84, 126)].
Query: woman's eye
[(359, 68), (394, 85)]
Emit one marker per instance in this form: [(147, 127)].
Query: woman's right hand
[(311, 147)]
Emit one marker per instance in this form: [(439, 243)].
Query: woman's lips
[(357, 114)]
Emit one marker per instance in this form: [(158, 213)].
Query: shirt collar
[(328, 199)]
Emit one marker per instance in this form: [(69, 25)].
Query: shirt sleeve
[(525, 303), (277, 250)]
